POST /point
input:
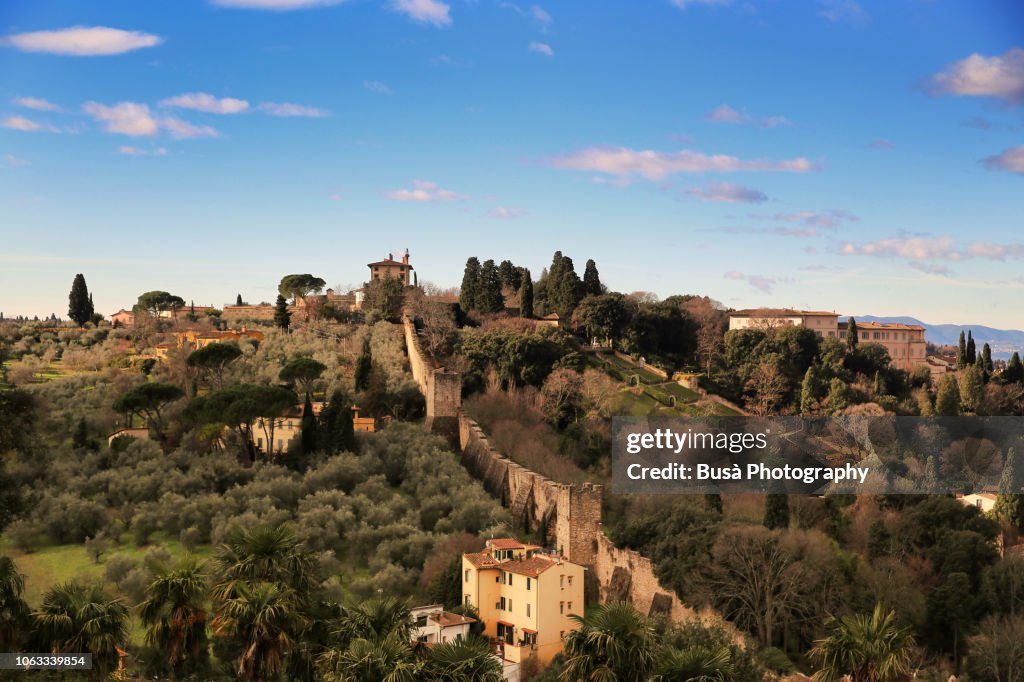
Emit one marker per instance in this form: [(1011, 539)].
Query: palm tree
[(266, 618), (77, 618), (463, 660), (695, 664), (270, 554), (14, 611), (390, 659), (613, 642), (175, 614), (867, 648)]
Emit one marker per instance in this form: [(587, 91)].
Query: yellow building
[(821, 322), (524, 596), (905, 342)]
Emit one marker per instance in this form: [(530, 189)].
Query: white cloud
[(27, 125), (759, 282), (541, 16), (289, 109), (723, 113), (541, 48), (843, 10), (182, 130), (275, 5), (653, 165), (378, 88), (201, 101), (932, 249), (127, 150), (126, 118), (506, 212), (826, 219), (726, 192), (932, 268), (1011, 160), (424, 191), (1001, 77), (136, 120), (36, 103), (683, 4), (82, 41), (425, 11), (14, 162)]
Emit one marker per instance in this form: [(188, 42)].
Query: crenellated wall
[(571, 515)]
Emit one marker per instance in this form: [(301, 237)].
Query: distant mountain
[(1003, 342)]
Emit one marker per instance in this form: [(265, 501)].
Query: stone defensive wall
[(568, 516)]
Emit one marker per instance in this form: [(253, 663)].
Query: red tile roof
[(532, 567), (389, 262), (506, 543), (779, 312), (482, 560), (447, 620)]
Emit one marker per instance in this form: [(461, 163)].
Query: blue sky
[(863, 157)]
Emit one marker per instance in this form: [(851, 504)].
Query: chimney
[(391, 256), (405, 258)]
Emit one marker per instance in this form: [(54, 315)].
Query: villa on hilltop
[(905, 342)]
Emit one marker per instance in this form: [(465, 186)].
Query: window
[(468, 602), (527, 584), (467, 575), (510, 606), (502, 604), (570, 607), (561, 607), (509, 578), (561, 582), (421, 621), (570, 581), (527, 610), (259, 443)]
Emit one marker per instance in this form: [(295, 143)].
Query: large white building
[(823, 323)]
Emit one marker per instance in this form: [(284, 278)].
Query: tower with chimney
[(392, 268)]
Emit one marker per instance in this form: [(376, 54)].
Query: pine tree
[(526, 296), (238, 300), (282, 317), (961, 352), (986, 357), (80, 308), (947, 400), (852, 335), (1010, 503), (971, 348), (591, 280), (469, 292), (776, 511)]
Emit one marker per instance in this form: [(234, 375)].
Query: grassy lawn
[(646, 376), (681, 393)]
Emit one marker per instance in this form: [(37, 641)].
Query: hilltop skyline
[(858, 157)]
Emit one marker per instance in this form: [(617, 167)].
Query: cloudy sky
[(864, 157)]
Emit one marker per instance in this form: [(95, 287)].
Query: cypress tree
[(238, 300), (972, 351), (591, 280), (1014, 372), (961, 352), (80, 308), (526, 296), (879, 385), (808, 391), (364, 363), (852, 335), (469, 292), (282, 318), (879, 540), (1010, 502), (986, 357), (489, 298), (776, 511), (309, 433)]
